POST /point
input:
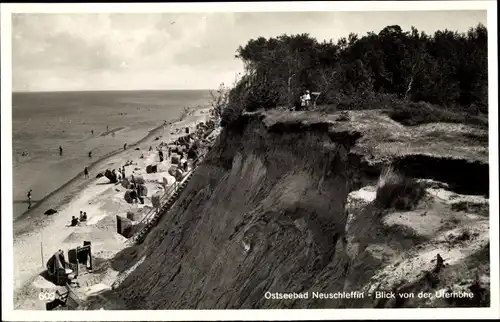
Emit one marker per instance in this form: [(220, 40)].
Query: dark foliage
[(447, 69), (419, 113)]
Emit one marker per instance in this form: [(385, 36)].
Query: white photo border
[(9, 314)]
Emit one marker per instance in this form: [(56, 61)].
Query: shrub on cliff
[(235, 104), (219, 100), (394, 190), (412, 113)]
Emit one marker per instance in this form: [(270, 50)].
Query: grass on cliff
[(407, 112), (397, 191), (412, 113)]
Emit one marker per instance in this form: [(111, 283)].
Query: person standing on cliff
[(307, 98), (60, 150), (302, 101), (86, 172)]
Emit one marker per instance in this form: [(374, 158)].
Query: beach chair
[(60, 270), (81, 259), (66, 300)]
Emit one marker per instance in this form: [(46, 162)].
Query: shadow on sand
[(105, 183), (121, 262), (26, 201)]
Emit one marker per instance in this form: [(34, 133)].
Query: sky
[(111, 51)]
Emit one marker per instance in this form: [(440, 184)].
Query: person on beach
[(74, 221), (133, 194), (150, 148), (90, 154), (60, 150), (125, 146), (92, 132), (29, 199), (123, 171), (140, 196), (83, 216), (86, 172), (107, 128)]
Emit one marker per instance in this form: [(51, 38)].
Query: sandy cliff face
[(283, 203)]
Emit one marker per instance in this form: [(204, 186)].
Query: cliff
[(285, 202)]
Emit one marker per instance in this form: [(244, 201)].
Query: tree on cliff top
[(448, 68)]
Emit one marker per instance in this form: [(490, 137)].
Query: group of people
[(305, 99), (61, 152), (138, 193), (107, 130), (138, 188), (85, 171), (75, 221)]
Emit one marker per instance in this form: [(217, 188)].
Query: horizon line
[(116, 90)]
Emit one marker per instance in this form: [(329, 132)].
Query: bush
[(235, 104), (219, 100), (411, 113), (360, 100), (260, 97), (394, 190), (230, 114)]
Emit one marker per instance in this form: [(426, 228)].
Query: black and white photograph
[(294, 158)]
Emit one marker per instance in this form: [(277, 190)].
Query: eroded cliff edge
[(284, 203)]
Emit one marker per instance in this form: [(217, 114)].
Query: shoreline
[(21, 225), (103, 201)]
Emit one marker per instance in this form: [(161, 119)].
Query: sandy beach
[(80, 122), (38, 236)]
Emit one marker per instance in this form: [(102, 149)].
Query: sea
[(81, 122)]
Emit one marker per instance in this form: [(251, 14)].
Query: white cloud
[(195, 50)]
